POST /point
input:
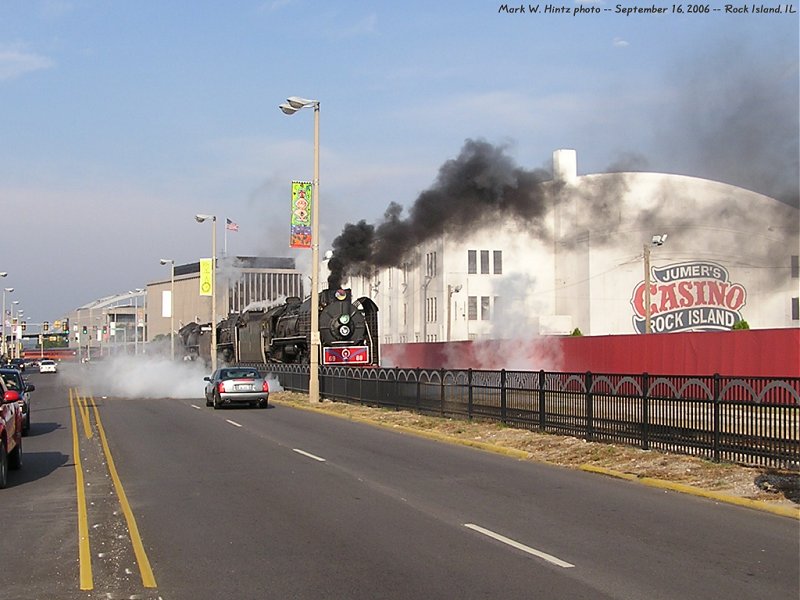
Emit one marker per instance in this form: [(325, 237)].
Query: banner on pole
[(205, 277), (300, 236), (166, 303)]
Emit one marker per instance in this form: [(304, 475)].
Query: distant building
[(121, 322), (242, 281), (730, 254)]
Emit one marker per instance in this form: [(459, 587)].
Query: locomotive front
[(345, 332)]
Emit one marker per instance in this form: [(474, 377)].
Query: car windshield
[(11, 380), (239, 373), (47, 362)]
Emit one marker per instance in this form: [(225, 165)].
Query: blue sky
[(120, 120)]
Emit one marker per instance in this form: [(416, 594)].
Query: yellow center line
[(84, 409), (85, 559), (148, 579)]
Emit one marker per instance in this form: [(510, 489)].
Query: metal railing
[(748, 420)]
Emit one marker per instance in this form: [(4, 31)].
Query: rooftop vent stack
[(565, 166)]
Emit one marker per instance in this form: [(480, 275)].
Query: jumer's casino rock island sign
[(689, 296)]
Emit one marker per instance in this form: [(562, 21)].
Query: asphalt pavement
[(182, 501)]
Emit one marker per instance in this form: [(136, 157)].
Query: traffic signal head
[(105, 329), (45, 326), (85, 330)]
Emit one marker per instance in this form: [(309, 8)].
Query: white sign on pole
[(166, 303)]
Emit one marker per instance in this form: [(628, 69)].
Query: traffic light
[(46, 326), (24, 325), (65, 324), (85, 330), (105, 329)]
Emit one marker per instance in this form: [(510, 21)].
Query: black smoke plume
[(481, 186)]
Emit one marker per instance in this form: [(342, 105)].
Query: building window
[(430, 264), (485, 308), (472, 262), (431, 310), (498, 262), (472, 308), (795, 266), (405, 314), (484, 262), (795, 309), (406, 269)]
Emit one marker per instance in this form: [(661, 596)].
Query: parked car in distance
[(10, 432), (15, 382), (236, 385), (48, 365)]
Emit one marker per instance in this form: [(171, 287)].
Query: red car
[(10, 432)]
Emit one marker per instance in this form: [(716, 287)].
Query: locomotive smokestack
[(482, 185)]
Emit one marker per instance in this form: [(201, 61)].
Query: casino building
[(714, 254)]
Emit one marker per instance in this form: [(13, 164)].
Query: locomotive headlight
[(344, 330), (344, 319)]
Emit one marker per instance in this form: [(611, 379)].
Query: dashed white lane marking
[(234, 423), (501, 538), (195, 406), (309, 455)]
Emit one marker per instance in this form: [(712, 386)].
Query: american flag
[(231, 226)]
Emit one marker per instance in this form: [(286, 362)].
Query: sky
[(121, 120)]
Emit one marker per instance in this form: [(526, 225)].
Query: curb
[(784, 511)]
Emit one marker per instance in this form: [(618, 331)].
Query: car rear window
[(238, 373)]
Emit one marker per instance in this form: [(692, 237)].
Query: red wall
[(758, 352)]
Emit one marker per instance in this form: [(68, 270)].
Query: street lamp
[(14, 305), (657, 240), (9, 290), (171, 262), (200, 219), (291, 106), (450, 291)]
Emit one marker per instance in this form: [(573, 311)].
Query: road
[(185, 502)]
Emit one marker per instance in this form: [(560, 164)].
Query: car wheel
[(217, 405), (27, 426), (3, 467), (263, 403), (15, 458), (208, 402)]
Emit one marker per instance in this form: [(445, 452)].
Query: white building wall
[(585, 271)]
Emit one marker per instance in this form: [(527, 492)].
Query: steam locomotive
[(348, 331)]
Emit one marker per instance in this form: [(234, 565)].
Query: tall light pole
[(200, 219), (450, 291), (657, 240), (171, 262), (291, 106), (9, 290)]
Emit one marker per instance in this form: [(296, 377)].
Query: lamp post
[(657, 240), (450, 291), (9, 290), (14, 305), (171, 262), (291, 106), (200, 219)]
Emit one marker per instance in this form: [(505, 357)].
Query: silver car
[(236, 385)]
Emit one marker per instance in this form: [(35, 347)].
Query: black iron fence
[(748, 420)]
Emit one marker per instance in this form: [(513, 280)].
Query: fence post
[(396, 388), (717, 401), (469, 394), (417, 370), (441, 392), (503, 396), (589, 407), (542, 415), (645, 411)]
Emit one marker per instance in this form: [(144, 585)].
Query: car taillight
[(265, 386), (221, 387)]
